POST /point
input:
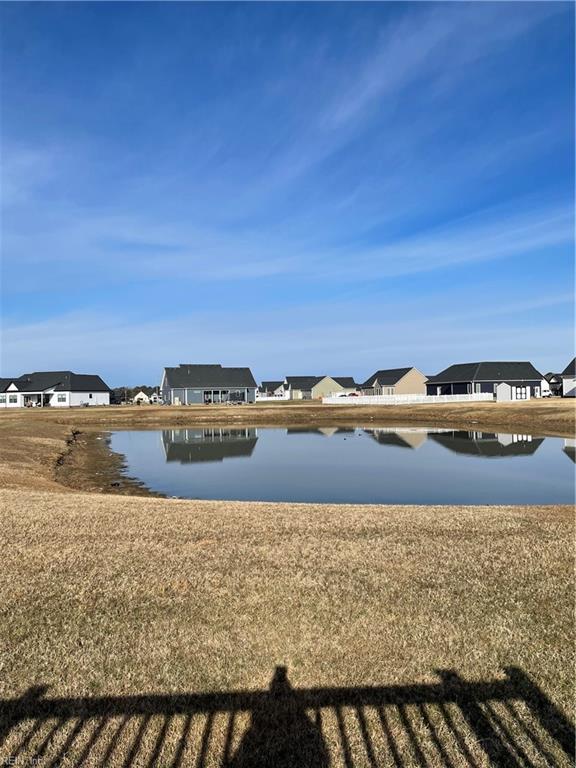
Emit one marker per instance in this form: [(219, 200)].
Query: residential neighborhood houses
[(395, 381), (59, 389), (484, 377), (197, 384), (194, 384), (146, 397)]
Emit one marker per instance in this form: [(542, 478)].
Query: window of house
[(2, 398), (478, 387), (389, 390), (13, 398), (90, 396), (61, 398)]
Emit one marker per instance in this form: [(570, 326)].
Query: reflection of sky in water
[(333, 464)]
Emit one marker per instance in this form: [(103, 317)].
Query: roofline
[(468, 381)]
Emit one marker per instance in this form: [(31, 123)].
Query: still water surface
[(386, 466)]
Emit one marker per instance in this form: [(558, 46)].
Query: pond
[(364, 466)]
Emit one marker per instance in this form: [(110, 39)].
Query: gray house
[(191, 384), (468, 378), (187, 446)]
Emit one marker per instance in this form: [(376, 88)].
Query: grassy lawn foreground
[(189, 611)]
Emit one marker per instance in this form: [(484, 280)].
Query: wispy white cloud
[(475, 239), (117, 248), (23, 171), (313, 340)]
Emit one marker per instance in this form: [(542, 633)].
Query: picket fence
[(407, 399)]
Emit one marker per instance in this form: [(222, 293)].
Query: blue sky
[(302, 188)]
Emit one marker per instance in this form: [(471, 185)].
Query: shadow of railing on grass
[(502, 722)]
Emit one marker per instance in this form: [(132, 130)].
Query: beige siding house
[(333, 385), (395, 381)]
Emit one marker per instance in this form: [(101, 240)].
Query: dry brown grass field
[(154, 632)]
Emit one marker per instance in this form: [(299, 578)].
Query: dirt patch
[(89, 464)]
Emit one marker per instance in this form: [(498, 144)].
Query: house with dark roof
[(333, 385), (300, 387), (488, 445), (187, 446), (554, 383), (316, 387), (569, 380), (398, 438), (395, 381), (269, 389), (59, 389), (473, 378), (193, 384)]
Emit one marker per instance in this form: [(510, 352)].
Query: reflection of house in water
[(487, 444), (326, 431), (401, 438), (570, 448), (209, 444)]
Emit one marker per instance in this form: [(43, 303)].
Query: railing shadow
[(502, 722)]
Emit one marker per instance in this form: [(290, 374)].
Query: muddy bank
[(89, 464)]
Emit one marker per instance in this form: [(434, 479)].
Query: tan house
[(395, 381), (315, 387), (337, 385)]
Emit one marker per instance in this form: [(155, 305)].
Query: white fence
[(408, 399)]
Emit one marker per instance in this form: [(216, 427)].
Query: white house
[(59, 389), (141, 399), (271, 390), (569, 380)]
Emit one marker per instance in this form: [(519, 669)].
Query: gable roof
[(570, 369), (387, 376), (487, 371), (59, 381), (208, 376), (270, 386), (345, 381), (303, 382)]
